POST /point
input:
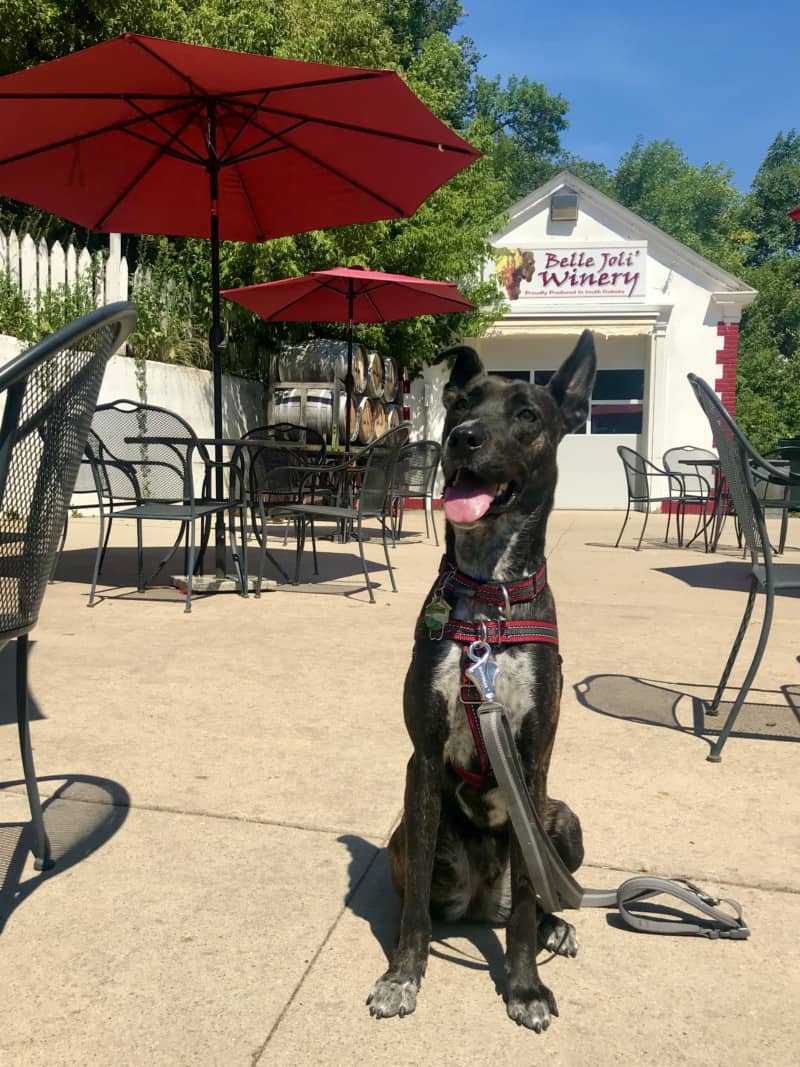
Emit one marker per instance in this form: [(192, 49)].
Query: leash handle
[(718, 923), (553, 883)]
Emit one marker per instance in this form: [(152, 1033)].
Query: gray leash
[(553, 883)]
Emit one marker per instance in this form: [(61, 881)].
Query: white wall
[(189, 393), (184, 390)]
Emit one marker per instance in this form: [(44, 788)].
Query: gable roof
[(629, 225)]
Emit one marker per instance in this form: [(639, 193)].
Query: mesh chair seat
[(48, 394), (784, 575)]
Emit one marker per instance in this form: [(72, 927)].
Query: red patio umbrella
[(349, 294), (795, 213), (142, 135)]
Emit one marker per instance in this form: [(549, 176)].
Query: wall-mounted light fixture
[(564, 207)]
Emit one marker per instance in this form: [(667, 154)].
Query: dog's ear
[(571, 386), (466, 366)]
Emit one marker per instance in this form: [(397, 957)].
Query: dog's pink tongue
[(469, 499)]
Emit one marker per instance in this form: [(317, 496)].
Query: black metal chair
[(49, 394), (781, 499), (739, 461), (285, 444), (150, 459), (374, 469), (414, 479), (697, 490), (647, 484)]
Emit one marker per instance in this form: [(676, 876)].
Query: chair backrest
[(136, 470), (268, 465), (680, 460), (635, 467), (291, 433), (48, 395), (737, 457), (378, 461), (417, 465)]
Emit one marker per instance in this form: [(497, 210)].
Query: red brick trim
[(727, 358), (416, 503)]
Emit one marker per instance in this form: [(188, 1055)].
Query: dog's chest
[(514, 688)]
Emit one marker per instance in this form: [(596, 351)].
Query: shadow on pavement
[(81, 815), (655, 703), (372, 898), (120, 571), (8, 683)]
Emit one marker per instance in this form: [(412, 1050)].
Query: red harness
[(495, 632)]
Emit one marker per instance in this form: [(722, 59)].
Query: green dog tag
[(437, 612)]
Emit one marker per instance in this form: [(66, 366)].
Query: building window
[(513, 375), (617, 399), (616, 404)]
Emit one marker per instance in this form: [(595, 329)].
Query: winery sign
[(609, 271)]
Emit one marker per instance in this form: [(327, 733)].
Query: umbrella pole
[(348, 381), (216, 341)]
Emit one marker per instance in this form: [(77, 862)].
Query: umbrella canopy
[(141, 135), (123, 136), (795, 213), (349, 294)]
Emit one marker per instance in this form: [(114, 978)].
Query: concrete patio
[(220, 788)]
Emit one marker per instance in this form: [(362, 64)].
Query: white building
[(572, 258)]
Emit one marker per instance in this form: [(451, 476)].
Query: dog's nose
[(467, 437)]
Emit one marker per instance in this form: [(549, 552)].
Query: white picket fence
[(35, 268)]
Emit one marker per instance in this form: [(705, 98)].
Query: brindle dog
[(454, 854)]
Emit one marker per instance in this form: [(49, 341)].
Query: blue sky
[(718, 79)]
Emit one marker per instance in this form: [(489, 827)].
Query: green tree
[(697, 205), (774, 192), (768, 397)]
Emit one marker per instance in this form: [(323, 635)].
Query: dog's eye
[(528, 414)]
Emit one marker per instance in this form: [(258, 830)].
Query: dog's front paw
[(534, 1008), (393, 996), (558, 936)]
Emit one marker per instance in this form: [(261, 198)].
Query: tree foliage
[(516, 124)]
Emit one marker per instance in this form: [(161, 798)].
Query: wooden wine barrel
[(391, 378), (379, 421), (286, 407), (374, 386), (322, 359), (365, 430), (394, 416), (354, 418)]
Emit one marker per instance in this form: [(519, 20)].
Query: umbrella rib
[(120, 127), (253, 152), (195, 159), (250, 206), (338, 124), (193, 155), (331, 170), (145, 170), (246, 122), (170, 67)]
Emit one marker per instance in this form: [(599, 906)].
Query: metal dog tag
[(483, 671)]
